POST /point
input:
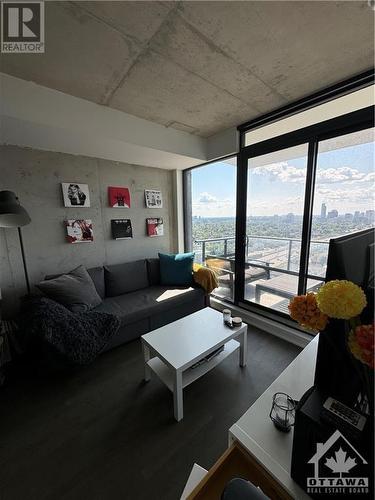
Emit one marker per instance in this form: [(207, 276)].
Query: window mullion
[(307, 215), (240, 227)]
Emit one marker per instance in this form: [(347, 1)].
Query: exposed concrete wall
[(36, 176)]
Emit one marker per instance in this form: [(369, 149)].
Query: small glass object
[(282, 412), (227, 316)]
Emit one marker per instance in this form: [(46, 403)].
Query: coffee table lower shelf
[(167, 376)]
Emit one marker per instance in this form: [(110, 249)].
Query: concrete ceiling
[(200, 67)]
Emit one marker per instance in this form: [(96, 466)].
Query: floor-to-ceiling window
[(274, 217), (212, 219)]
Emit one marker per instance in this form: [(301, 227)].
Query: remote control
[(341, 415)]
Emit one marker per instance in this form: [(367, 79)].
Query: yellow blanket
[(205, 277)]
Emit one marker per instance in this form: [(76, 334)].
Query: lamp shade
[(12, 214)]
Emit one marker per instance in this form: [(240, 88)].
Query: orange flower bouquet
[(304, 309)]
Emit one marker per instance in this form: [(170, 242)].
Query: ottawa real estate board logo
[(22, 27), (338, 469)]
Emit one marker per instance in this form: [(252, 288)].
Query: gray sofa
[(132, 291)]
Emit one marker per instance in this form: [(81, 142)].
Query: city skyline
[(370, 214)]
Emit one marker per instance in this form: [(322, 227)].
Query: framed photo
[(79, 231), (153, 198), (118, 197), (121, 229), (155, 227), (75, 194)]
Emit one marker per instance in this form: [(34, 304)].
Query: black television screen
[(351, 258)]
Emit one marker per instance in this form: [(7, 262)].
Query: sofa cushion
[(176, 270), (75, 290), (137, 305), (153, 268), (97, 276), (125, 278)]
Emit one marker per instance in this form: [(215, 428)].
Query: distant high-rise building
[(323, 211), (357, 214), (370, 214), (332, 214), (348, 216), (290, 218)]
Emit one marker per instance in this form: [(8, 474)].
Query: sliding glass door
[(274, 218), (212, 220)]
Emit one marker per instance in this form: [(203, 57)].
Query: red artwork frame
[(118, 197)]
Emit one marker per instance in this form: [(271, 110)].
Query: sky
[(345, 182)]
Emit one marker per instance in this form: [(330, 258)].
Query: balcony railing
[(272, 254)]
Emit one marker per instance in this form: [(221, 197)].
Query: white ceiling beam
[(42, 118)]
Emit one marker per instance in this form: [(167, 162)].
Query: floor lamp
[(12, 214)]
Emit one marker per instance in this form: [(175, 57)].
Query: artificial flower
[(361, 344), (341, 299), (305, 311)]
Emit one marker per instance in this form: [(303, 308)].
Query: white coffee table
[(170, 351)]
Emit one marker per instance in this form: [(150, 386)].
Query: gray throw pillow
[(125, 278), (75, 290)]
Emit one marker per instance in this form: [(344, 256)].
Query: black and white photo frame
[(75, 194), (153, 198)]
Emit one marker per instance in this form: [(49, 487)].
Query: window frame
[(344, 124)]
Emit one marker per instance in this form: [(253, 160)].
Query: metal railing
[(225, 239), (227, 254)]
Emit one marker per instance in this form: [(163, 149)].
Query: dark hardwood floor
[(103, 434)]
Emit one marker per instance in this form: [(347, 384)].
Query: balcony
[(271, 267)]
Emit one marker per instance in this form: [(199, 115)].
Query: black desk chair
[(239, 489)]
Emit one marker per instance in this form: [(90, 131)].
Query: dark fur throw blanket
[(78, 338)]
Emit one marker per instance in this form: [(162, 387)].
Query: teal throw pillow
[(176, 269)]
